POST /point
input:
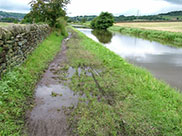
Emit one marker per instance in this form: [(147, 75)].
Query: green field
[(173, 17), (5, 24), (161, 26)]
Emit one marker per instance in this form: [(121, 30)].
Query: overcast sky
[(94, 7)]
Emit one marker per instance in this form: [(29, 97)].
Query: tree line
[(11, 15), (9, 20), (171, 16)]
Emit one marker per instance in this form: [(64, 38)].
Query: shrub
[(103, 21), (61, 24)]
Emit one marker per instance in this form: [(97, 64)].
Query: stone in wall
[(18, 41)]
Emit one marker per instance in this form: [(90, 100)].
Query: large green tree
[(103, 21), (46, 11)]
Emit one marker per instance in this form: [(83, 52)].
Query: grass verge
[(120, 99), (17, 85), (164, 37)]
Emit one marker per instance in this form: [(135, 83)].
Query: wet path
[(47, 118)]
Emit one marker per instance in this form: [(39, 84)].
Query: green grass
[(87, 24), (169, 38), (172, 17), (121, 99), (17, 86)]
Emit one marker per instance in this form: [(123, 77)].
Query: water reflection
[(136, 49), (103, 36), (163, 61)]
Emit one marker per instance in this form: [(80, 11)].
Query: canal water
[(163, 61)]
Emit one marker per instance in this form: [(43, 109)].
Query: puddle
[(47, 105), (72, 71), (47, 118), (87, 70)]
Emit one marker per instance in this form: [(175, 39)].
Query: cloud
[(94, 7), (15, 5), (117, 7), (175, 1)]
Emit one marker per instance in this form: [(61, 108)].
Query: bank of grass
[(17, 86), (165, 37), (120, 99)]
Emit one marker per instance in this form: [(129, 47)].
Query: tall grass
[(169, 38), (17, 86)]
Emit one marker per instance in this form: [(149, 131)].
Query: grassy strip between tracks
[(18, 85), (164, 37), (120, 99)]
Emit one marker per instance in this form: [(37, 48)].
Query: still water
[(163, 61)]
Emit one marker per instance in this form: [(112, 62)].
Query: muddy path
[(48, 118)]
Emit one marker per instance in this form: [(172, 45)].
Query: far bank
[(152, 31)]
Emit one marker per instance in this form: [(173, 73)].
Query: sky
[(94, 7)]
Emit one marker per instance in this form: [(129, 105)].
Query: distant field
[(5, 24), (163, 26)]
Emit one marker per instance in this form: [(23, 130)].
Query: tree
[(47, 11), (103, 21), (83, 20)]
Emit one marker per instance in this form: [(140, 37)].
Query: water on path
[(48, 117)]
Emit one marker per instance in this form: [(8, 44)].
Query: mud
[(48, 118), (86, 70)]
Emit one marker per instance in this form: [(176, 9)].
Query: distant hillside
[(18, 16), (171, 16), (81, 18), (173, 13)]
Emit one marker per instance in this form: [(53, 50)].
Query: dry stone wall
[(17, 42)]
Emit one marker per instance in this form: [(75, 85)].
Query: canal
[(163, 61)]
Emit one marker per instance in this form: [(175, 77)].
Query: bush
[(61, 24), (103, 21)]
